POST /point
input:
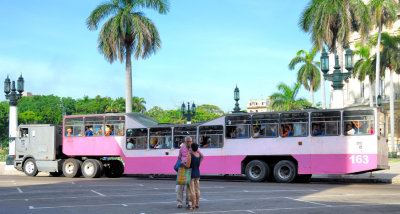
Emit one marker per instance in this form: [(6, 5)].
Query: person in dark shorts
[(194, 160)]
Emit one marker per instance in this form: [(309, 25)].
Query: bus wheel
[(30, 168), (257, 170), (90, 168), (115, 169), (100, 171), (303, 178), (285, 171), (56, 174), (72, 167)]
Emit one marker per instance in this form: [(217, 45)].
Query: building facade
[(258, 105)]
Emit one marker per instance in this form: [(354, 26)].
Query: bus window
[(360, 122), (136, 139), (238, 126), (294, 124), (265, 125), (181, 132), (115, 125), (160, 138), (211, 136), (325, 123), (94, 126), (73, 127)]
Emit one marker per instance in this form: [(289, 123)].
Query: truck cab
[(38, 148)]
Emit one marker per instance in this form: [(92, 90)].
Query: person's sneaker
[(179, 206)]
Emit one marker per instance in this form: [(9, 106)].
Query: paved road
[(21, 194)]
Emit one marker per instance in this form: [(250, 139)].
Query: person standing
[(184, 152), (194, 160)]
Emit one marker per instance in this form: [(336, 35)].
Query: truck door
[(23, 141)]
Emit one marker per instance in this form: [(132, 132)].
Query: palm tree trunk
[(378, 62), (128, 82), (371, 102), (322, 85), (312, 96), (392, 111)]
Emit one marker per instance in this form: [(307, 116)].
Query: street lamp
[(236, 97), (190, 111), (337, 76), (13, 97)]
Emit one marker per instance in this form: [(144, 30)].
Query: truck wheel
[(72, 167), (30, 168), (56, 174), (115, 169), (285, 171), (257, 170), (90, 168), (100, 172)]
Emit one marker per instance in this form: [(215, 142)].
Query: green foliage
[(207, 112), (332, 21), (4, 117), (165, 116), (286, 99)]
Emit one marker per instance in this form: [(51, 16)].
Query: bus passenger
[(290, 130), (257, 132), (88, 131), (234, 133), (350, 130), (285, 131), (69, 132), (317, 130)]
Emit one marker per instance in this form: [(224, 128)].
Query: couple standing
[(191, 158)]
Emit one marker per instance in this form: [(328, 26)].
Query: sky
[(208, 47)]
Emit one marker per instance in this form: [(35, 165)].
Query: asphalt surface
[(42, 194)]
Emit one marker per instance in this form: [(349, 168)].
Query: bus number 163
[(359, 159)]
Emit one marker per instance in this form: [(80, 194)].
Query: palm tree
[(330, 22), (286, 99), (384, 13), (391, 60), (127, 32), (365, 67), (138, 104), (308, 74)]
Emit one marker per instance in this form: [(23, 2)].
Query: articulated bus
[(282, 146)]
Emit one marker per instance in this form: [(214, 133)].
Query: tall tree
[(138, 104), (384, 13), (286, 99), (330, 22), (127, 31), (308, 74), (365, 67), (391, 60)]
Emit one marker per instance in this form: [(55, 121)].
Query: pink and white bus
[(281, 146)]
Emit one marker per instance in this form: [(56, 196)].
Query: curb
[(353, 180)]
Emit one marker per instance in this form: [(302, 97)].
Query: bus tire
[(257, 170), (56, 174), (115, 169), (303, 178), (285, 171), (100, 172), (72, 168), (90, 168), (30, 168)]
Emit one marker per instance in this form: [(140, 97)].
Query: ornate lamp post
[(190, 112), (337, 77), (236, 97), (13, 97)]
